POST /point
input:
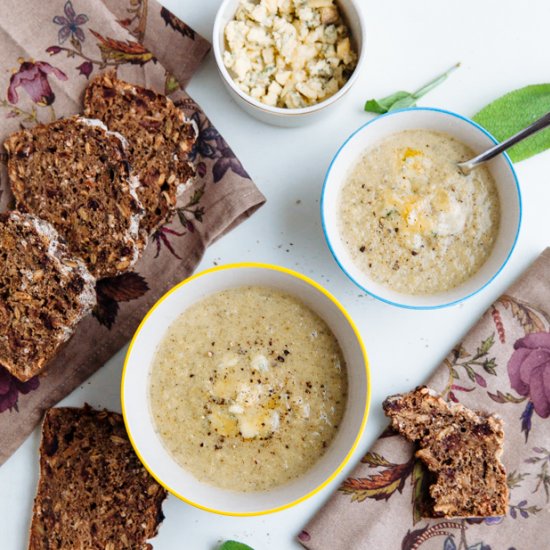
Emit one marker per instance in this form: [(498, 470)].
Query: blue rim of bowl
[(335, 256)]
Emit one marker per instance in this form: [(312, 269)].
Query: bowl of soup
[(405, 224), (245, 389)]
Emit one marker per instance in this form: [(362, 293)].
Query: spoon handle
[(540, 124)]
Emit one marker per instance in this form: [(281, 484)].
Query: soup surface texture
[(248, 388), (411, 221)]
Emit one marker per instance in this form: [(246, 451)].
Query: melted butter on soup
[(248, 388), (411, 220)]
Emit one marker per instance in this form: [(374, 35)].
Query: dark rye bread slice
[(75, 174), (159, 140), (93, 492), (460, 447), (44, 292)]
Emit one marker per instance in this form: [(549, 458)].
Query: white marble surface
[(502, 45)]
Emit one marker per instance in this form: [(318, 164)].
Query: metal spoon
[(467, 166)]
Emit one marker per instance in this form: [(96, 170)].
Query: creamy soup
[(248, 388), (411, 220)]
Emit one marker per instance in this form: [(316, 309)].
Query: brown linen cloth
[(49, 50), (502, 366)]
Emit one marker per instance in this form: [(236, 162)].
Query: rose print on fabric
[(529, 373), (529, 370), (528, 366), (33, 78)]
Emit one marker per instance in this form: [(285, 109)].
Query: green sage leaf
[(381, 106), (512, 112), (234, 545), (409, 101), (402, 99), (374, 106)]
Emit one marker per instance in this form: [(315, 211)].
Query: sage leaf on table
[(402, 100), (509, 114), (234, 545)]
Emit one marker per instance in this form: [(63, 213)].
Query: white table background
[(502, 45)]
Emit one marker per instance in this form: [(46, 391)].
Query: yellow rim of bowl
[(326, 293)]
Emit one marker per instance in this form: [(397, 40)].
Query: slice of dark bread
[(159, 140), (93, 492), (44, 292), (75, 174), (461, 447)]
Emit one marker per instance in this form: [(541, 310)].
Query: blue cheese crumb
[(289, 53)]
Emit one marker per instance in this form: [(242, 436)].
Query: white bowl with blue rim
[(464, 130)]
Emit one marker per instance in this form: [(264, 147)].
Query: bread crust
[(160, 141), (93, 492), (45, 292), (74, 173), (461, 447)]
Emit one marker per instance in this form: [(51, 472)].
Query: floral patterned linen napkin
[(502, 366), (49, 51)]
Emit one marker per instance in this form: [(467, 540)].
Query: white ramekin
[(276, 115)]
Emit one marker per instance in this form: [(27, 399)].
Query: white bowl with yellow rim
[(135, 390)]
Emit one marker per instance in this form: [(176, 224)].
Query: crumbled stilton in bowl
[(289, 53)]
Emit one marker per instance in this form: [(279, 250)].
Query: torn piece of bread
[(461, 447), (74, 173), (44, 292), (159, 137), (93, 492)]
